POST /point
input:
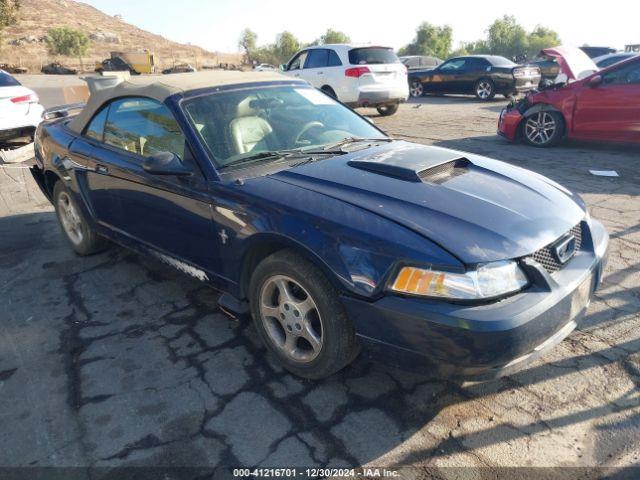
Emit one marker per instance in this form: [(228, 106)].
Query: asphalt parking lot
[(117, 360)]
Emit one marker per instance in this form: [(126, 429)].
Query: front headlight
[(487, 281)]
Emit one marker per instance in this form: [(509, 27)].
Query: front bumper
[(509, 122), (484, 341)]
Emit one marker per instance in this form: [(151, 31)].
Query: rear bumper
[(509, 122), (483, 341), (376, 97), (18, 126)]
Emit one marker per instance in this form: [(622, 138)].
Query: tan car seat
[(248, 130)]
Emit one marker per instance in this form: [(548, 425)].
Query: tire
[(309, 309), (329, 91), (416, 89), (388, 110), (484, 89), (544, 128), (74, 226)]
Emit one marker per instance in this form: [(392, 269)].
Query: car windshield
[(245, 123), (7, 80), (372, 56)]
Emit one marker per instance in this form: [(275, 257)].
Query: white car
[(264, 67), (20, 112), (359, 76)]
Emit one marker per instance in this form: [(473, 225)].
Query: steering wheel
[(308, 126)]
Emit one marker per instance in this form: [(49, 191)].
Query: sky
[(216, 24)]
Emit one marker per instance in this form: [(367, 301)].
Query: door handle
[(101, 169), (320, 73)]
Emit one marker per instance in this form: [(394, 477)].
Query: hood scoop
[(433, 170)]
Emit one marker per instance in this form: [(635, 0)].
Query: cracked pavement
[(118, 360)]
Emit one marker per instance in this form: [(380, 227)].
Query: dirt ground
[(117, 360)]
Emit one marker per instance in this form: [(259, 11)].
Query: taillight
[(356, 72), (31, 98)]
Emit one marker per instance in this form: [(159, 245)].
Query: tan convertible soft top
[(159, 87)]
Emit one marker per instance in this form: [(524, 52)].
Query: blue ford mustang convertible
[(332, 235)]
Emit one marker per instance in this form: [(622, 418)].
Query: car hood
[(573, 62), (476, 208)]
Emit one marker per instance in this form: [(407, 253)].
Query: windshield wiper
[(337, 146), (330, 149), (265, 156)]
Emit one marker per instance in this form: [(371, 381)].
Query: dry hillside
[(23, 43)]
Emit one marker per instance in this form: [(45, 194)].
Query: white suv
[(359, 76)]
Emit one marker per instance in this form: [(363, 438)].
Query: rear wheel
[(389, 109), (77, 231), (416, 89), (298, 315), (543, 129), (485, 89)]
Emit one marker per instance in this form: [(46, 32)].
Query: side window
[(453, 65), (630, 74), (95, 129), (476, 64), (298, 62), (317, 58), (144, 127), (334, 59)]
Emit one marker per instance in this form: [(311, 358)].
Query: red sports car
[(602, 105)]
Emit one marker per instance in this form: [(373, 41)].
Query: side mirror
[(283, 67), (165, 163), (595, 81)]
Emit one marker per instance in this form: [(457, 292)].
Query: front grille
[(546, 257)]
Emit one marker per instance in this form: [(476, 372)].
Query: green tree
[(68, 41), (430, 40), (8, 13), (285, 47), (507, 38), (248, 42), (541, 37), (333, 36)]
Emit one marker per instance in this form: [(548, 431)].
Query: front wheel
[(389, 109), (77, 231), (543, 128), (297, 314), (485, 89), (416, 89)]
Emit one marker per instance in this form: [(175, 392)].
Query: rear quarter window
[(372, 56), (7, 80)]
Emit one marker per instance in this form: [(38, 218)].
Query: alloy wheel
[(291, 318), (71, 221), (540, 128), (484, 90), (416, 89)]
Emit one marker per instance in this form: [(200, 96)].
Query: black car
[(594, 52), (481, 75), (549, 68), (56, 68)]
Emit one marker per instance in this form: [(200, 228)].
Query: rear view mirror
[(595, 81), (165, 163)]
